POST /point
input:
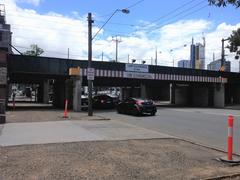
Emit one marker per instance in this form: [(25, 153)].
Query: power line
[(190, 13), (135, 4), (171, 12)]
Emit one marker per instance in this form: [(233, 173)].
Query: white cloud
[(33, 2), (55, 33)]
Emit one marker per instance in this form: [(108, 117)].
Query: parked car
[(137, 106), (104, 101)]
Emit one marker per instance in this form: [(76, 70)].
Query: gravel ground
[(43, 115), (118, 160)]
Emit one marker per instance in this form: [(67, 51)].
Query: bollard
[(229, 158), (65, 109), (230, 137)]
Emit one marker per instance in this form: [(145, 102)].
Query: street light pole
[(90, 21), (90, 39)]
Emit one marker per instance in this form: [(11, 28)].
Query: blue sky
[(147, 10), (56, 25)]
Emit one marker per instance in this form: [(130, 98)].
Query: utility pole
[(156, 57), (223, 55), (128, 58), (116, 40), (90, 21), (102, 55), (68, 53)]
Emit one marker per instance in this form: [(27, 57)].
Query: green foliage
[(35, 51), (223, 3), (234, 41)]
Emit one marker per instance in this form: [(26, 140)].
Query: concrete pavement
[(71, 131)]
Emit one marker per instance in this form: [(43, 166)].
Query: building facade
[(5, 32), (184, 64), (197, 55), (216, 65)]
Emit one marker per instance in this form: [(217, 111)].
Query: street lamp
[(90, 39), (133, 61), (171, 50)]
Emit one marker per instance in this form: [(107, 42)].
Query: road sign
[(90, 74)]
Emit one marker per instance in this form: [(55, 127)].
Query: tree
[(223, 3), (234, 41), (35, 50)]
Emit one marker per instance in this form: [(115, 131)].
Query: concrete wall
[(199, 96), (181, 95)]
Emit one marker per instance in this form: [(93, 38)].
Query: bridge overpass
[(187, 87)]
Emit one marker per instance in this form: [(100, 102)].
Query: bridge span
[(181, 86)]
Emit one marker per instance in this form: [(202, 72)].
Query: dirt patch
[(48, 115), (132, 159)]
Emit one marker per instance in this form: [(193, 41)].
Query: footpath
[(98, 148)]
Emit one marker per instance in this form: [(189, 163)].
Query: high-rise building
[(216, 65), (197, 55), (184, 64), (5, 31)]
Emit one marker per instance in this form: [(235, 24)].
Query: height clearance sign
[(137, 68)]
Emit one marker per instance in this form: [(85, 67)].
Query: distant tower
[(5, 31), (197, 55), (192, 55)]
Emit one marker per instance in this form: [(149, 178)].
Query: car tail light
[(139, 102)]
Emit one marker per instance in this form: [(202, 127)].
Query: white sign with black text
[(90, 74), (137, 75), (137, 68)]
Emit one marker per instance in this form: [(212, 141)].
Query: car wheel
[(136, 112)]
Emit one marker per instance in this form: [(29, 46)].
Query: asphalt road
[(203, 125)]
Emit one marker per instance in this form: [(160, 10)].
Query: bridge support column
[(143, 91), (172, 93), (3, 86), (46, 92), (219, 95), (77, 92)]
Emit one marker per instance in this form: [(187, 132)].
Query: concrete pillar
[(219, 95), (121, 97), (77, 92), (172, 93), (143, 91), (46, 92), (3, 86)]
